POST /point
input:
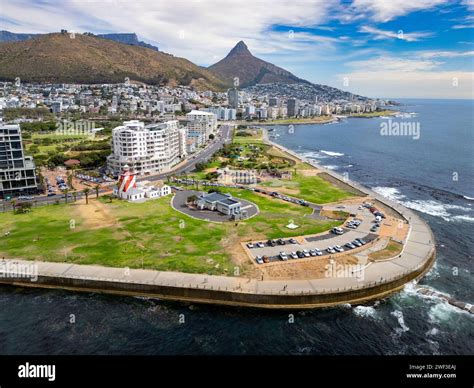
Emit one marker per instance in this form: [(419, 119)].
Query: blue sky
[(378, 48)]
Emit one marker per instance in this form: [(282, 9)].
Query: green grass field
[(256, 138), (152, 232), (311, 188)]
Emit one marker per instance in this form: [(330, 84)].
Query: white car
[(283, 256), (250, 245), (293, 255), (338, 248), (378, 219), (330, 250), (259, 259), (306, 253), (318, 251), (260, 244)]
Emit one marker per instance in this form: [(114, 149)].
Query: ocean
[(432, 174)]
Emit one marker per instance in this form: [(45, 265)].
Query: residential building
[(17, 171), (202, 121), (233, 98), (146, 149), (292, 106), (274, 101)]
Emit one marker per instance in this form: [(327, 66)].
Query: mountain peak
[(250, 70), (239, 49)]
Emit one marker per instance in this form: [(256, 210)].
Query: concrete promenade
[(379, 279)]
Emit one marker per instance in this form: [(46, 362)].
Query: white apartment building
[(146, 148), (201, 121)]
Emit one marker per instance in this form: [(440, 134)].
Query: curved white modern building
[(146, 149)]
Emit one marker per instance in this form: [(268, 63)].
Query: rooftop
[(219, 197)]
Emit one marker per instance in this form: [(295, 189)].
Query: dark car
[(271, 243), (281, 242), (300, 254)]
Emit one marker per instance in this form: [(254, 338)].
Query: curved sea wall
[(379, 278)]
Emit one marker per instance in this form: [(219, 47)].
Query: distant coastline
[(318, 119)]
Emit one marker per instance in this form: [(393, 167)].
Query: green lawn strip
[(311, 188), (151, 234)]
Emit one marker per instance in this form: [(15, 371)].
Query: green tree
[(66, 194), (86, 192), (97, 189)]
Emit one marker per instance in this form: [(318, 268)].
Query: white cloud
[(379, 34), (393, 64), (417, 76), (386, 10), (462, 26), (201, 30), (469, 4), (414, 84), (445, 54)]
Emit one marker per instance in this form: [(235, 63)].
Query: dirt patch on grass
[(308, 269), (95, 214), (311, 172), (392, 249)]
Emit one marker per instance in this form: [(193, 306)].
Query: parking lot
[(322, 241)]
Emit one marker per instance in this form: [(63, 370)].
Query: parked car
[(318, 252), (292, 241), (266, 259), (312, 252), (283, 256), (259, 259), (330, 250), (337, 230), (294, 255), (300, 254), (373, 228), (260, 244), (306, 253), (271, 243), (250, 245), (361, 241), (350, 245), (338, 248), (356, 243), (281, 241)]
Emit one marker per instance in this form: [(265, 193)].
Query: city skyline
[(419, 48)]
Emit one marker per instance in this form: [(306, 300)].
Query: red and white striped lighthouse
[(126, 181)]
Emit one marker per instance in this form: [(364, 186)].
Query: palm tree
[(66, 192), (69, 180), (97, 188), (86, 192)]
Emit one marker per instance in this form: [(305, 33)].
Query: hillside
[(250, 70), (89, 59)]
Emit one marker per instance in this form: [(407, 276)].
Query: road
[(224, 135)]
